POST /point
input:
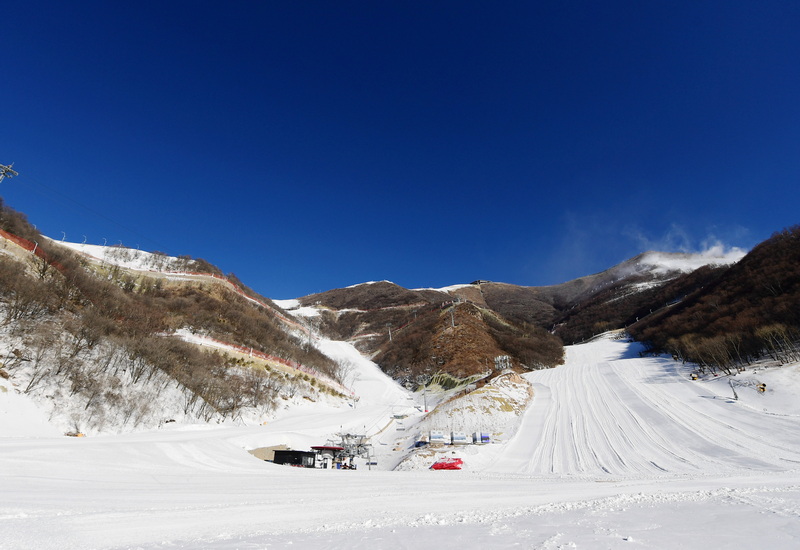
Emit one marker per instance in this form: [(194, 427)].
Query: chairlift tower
[(355, 445), (7, 171), (502, 362)]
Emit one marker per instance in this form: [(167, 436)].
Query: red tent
[(447, 464)]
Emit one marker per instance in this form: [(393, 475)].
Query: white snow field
[(614, 451)]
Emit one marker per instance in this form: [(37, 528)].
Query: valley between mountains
[(653, 404)]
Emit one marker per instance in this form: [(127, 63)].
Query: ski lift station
[(322, 456), (300, 459), (328, 456)]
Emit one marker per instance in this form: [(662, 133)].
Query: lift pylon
[(7, 171)]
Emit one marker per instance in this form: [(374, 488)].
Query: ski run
[(614, 450)]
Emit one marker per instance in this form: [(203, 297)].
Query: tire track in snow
[(721, 432), (648, 451), (650, 445), (637, 417)]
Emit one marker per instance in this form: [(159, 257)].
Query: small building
[(460, 438), (481, 438), (267, 453), (438, 437), (328, 455), (302, 459)]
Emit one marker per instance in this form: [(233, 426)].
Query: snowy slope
[(610, 412), (616, 451), (20, 416), (126, 257)]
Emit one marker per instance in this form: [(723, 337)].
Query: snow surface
[(369, 283), (20, 417), (663, 263), (128, 258), (287, 304), (615, 451), (307, 311), (447, 289)]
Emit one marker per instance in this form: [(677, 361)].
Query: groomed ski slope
[(609, 412), (615, 451)]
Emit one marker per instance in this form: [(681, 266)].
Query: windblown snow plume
[(665, 262)]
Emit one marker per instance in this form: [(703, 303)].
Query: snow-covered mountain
[(109, 339), (175, 372), (94, 377), (405, 330)]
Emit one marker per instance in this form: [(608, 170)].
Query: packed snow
[(287, 304), (446, 289), (614, 450), (369, 283), (128, 258)]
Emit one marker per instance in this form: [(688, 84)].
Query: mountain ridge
[(65, 302)]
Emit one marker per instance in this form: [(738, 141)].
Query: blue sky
[(306, 146)]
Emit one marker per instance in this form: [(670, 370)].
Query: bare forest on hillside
[(752, 310), (97, 337)]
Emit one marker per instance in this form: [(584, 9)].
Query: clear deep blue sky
[(306, 146)]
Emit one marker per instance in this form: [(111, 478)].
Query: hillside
[(742, 313), (414, 334), (113, 338), (460, 330), (463, 339), (110, 339), (624, 302)]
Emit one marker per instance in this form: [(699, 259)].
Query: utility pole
[(7, 171), (310, 333)]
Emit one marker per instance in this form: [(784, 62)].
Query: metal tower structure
[(7, 171), (355, 445)]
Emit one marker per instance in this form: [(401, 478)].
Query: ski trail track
[(619, 415)]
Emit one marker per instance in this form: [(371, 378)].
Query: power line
[(56, 195)]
